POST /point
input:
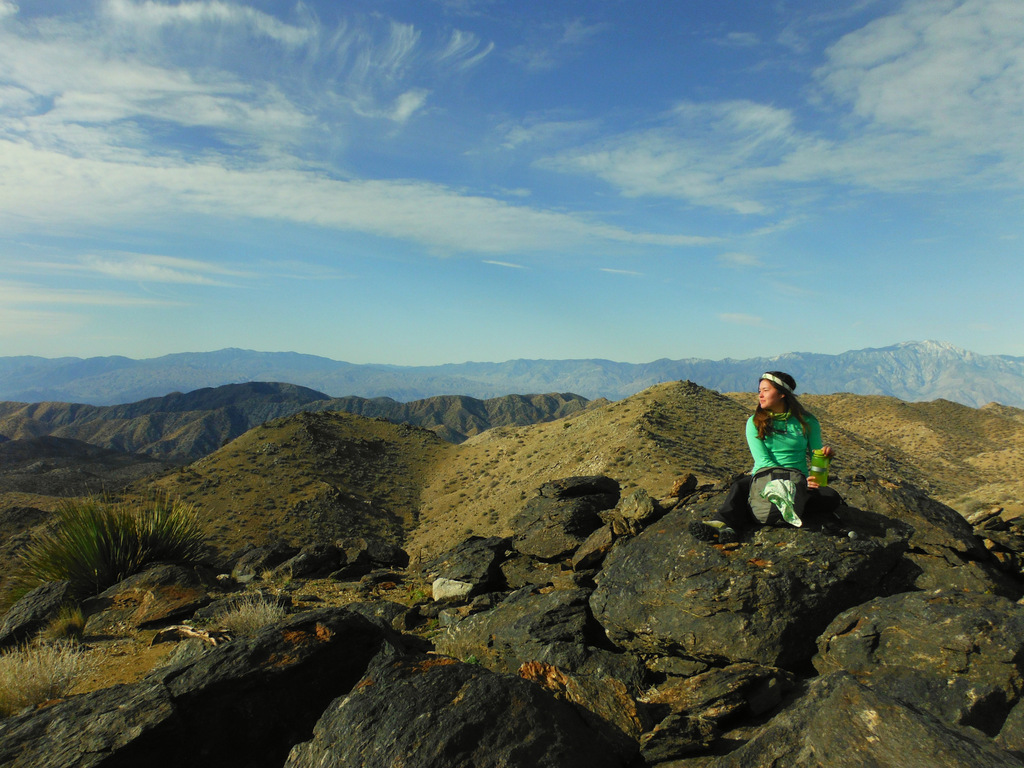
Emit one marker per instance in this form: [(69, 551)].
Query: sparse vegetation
[(95, 543), (250, 615), (33, 674), (68, 625)]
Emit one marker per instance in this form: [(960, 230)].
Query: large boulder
[(159, 595), (943, 551), (552, 529), (529, 625), (470, 568), (434, 712), (33, 612), (957, 655), (242, 704), (840, 723), (549, 636), (762, 601)]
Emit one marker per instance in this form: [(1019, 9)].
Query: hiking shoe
[(713, 530)]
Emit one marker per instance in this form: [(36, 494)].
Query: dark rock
[(95, 730), (840, 723), (551, 529), (684, 486), (1011, 737), (379, 552), (635, 512), (765, 601), (159, 595), (433, 712), (592, 551), (520, 571), (384, 612), (257, 560), (587, 485), (942, 553), (553, 629), (475, 564), (311, 560), (527, 626), (959, 656), (719, 695), (677, 736), (34, 612), (243, 704)]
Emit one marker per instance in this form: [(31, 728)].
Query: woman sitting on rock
[(778, 491)]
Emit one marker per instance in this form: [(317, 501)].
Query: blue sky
[(426, 181)]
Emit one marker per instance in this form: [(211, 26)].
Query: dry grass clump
[(33, 674), (69, 624), (251, 614)]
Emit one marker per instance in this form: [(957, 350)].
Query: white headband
[(777, 380)]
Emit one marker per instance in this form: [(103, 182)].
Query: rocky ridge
[(598, 633)]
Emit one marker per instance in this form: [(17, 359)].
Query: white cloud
[(953, 72), (154, 15), (156, 269), (932, 93), (464, 50), (629, 272), (34, 183), (506, 264)]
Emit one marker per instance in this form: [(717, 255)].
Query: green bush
[(95, 543)]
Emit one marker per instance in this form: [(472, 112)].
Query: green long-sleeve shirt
[(785, 445)]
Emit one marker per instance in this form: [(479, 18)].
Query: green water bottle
[(819, 467)]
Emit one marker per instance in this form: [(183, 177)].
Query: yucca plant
[(95, 543)]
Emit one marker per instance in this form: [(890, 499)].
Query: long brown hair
[(763, 418)]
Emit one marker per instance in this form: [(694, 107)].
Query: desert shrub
[(33, 674), (69, 624), (95, 543), (251, 614)]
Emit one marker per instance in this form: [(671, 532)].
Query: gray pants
[(815, 506)]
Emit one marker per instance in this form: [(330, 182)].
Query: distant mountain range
[(185, 427), (911, 371)]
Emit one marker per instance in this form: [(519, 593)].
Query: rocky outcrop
[(764, 601), (630, 643), (433, 712), (957, 655), (243, 703), (840, 723)]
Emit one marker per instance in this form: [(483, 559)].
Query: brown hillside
[(310, 477)]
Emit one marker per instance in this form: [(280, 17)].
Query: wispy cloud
[(553, 43), (148, 268), (155, 15), (111, 128), (737, 259), (930, 93), (14, 294), (735, 318), (34, 182), (505, 264), (629, 272)]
